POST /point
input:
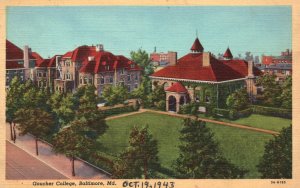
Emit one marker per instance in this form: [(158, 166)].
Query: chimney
[(205, 59), (172, 58), (99, 48), (26, 56), (250, 69)]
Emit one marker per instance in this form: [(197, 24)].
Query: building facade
[(163, 59), (200, 77), (19, 63), (93, 65)]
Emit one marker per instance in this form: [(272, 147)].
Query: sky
[(121, 29)]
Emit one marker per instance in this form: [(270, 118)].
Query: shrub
[(245, 113), (190, 108), (233, 114), (119, 110), (220, 112), (270, 111)]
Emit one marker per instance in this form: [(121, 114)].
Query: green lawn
[(242, 147), (259, 121)]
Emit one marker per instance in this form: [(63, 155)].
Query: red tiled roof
[(13, 52), (101, 59), (43, 63), (190, 67), (228, 54), (197, 46), (14, 55), (38, 58), (177, 87)]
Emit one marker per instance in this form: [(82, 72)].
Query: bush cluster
[(119, 110), (271, 111)]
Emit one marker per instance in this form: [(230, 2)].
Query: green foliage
[(71, 141), (140, 160), (89, 113), (141, 57), (286, 95), (157, 98), (66, 109), (221, 112), (119, 110), (238, 100), (14, 98), (233, 114), (115, 94), (272, 90), (189, 108), (245, 113), (200, 156), (35, 121), (277, 160), (270, 111)]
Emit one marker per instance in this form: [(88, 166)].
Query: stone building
[(200, 77), (94, 65), (19, 62)]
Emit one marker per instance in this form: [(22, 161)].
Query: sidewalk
[(58, 162)]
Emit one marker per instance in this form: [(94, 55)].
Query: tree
[(277, 159), (89, 113), (65, 112), (35, 121), (238, 100), (200, 156), (286, 95), (141, 57), (13, 102), (115, 94), (271, 90), (140, 160), (71, 141)]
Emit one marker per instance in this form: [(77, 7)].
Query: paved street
[(22, 166), (59, 162)]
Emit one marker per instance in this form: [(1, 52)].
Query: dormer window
[(132, 66), (122, 71)]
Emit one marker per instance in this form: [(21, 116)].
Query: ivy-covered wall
[(217, 93)]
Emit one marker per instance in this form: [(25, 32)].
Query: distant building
[(280, 70), (163, 59), (280, 66), (285, 57), (19, 62), (93, 65), (200, 77)]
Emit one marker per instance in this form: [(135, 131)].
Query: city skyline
[(56, 30)]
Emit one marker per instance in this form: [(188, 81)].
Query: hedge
[(119, 110), (220, 112), (271, 111), (245, 113)]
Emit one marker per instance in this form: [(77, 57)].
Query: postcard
[(133, 95)]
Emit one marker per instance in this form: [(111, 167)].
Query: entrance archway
[(182, 100), (172, 103)]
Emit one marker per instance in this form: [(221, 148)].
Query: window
[(40, 74), (135, 86), (90, 80), (128, 77), (102, 80), (132, 66), (122, 71), (111, 79), (128, 88), (136, 77), (68, 76), (85, 80), (44, 74), (207, 98)]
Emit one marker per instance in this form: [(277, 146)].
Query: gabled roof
[(197, 46), (228, 54), (101, 61), (15, 56), (177, 87), (13, 52), (38, 58), (190, 67), (48, 62)]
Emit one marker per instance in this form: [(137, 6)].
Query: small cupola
[(228, 54), (197, 47)]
